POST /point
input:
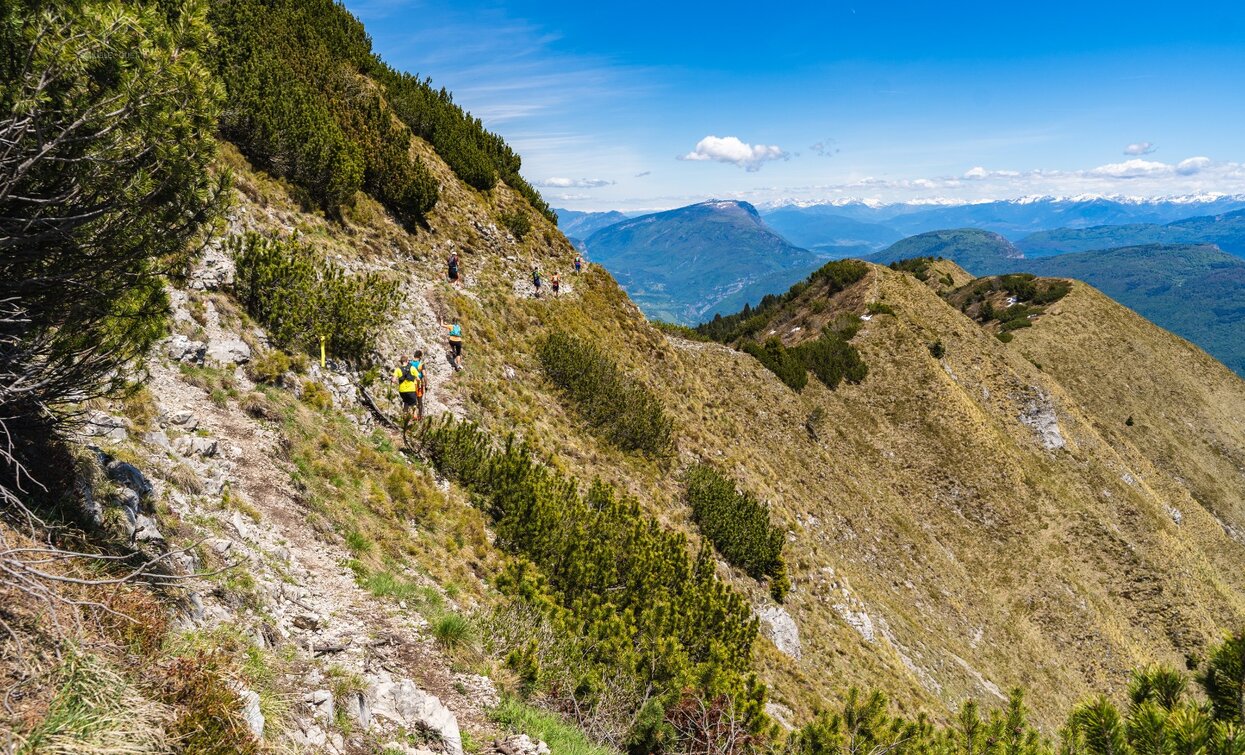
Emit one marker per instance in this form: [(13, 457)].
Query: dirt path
[(311, 597)]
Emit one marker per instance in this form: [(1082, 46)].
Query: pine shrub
[(626, 588), (518, 223), (737, 524), (781, 361), (834, 276), (832, 359), (623, 410), (298, 296), (309, 101)]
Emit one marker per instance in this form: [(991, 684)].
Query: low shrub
[(917, 266), (834, 276), (300, 297), (623, 410), (737, 523), (878, 308), (779, 360), (517, 222), (680, 331), (937, 350), (594, 568), (269, 367), (316, 395), (832, 359)]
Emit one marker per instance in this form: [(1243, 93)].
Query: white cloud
[(1139, 148), (729, 149), (1131, 169), (1193, 165), (573, 183), (979, 173)]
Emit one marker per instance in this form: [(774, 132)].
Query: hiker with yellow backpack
[(409, 377)]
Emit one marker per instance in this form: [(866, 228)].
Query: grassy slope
[(972, 550), (1188, 409), (1195, 291)]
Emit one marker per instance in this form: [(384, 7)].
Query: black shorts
[(410, 398), (456, 348), (453, 273)]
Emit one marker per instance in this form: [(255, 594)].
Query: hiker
[(410, 379), (536, 280), (456, 344), (452, 264), (579, 263), (555, 283)]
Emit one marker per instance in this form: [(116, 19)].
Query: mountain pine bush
[(623, 410), (626, 589), (299, 296), (835, 276), (309, 101), (779, 360), (738, 525), (832, 359)]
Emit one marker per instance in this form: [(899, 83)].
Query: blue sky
[(651, 105)]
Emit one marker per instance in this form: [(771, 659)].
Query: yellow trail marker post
[(322, 340)]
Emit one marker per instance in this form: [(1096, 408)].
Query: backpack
[(456, 331), (414, 373)]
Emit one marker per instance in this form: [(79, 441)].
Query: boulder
[(1039, 416), (321, 702), (192, 445), (185, 420), (127, 475), (179, 348), (354, 703), (412, 708), (251, 713), (102, 425), (233, 351), (158, 439), (781, 629)]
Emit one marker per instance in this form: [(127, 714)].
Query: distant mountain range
[(977, 251), (1177, 269), (823, 229), (687, 264), (1017, 218), (578, 226), (1226, 230)]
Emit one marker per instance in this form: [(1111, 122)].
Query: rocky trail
[(247, 512)]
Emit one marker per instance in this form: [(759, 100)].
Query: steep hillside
[(1197, 292), (979, 252), (683, 265), (1180, 410)]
